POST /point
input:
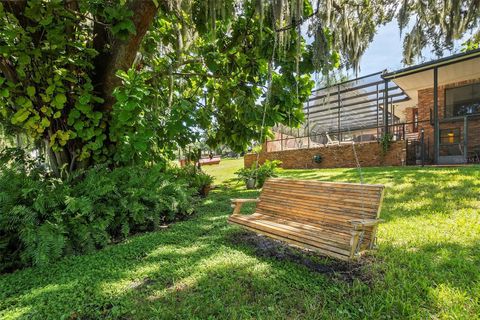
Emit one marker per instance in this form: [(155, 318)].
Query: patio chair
[(331, 142), (336, 142)]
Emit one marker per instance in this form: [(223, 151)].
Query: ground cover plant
[(427, 264)]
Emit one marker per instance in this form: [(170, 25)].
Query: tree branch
[(7, 69), (16, 7), (295, 23)]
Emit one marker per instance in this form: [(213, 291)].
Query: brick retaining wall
[(369, 155)]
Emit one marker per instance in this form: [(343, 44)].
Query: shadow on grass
[(266, 248), (408, 284)]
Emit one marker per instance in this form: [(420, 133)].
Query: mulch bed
[(270, 248)]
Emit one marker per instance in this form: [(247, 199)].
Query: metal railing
[(399, 132)]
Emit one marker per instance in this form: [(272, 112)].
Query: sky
[(385, 52)]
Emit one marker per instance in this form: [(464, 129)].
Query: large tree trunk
[(122, 53)]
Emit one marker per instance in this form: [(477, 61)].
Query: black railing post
[(465, 138), (339, 114), (436, 135), (422, 142), (385, 107), (378, 111), (308, 124)]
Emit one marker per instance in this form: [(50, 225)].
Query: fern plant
[(43, 218)]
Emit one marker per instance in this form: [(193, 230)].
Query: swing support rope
[(359, 170)]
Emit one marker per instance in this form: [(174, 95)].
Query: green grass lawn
[(427, 265), (225, 170)]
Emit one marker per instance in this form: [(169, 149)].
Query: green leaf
[(78, 125), (130, 105), (59, 100), (46, 20), (20, 116), (85, 98), (50, 89), (140, 145), (123, 28), (5, 93), (31, 91), (45, 123), (124, 116), (73, 116), (122, 75), (24, 59)]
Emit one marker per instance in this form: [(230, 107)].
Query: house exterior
[(431, 111), (445, 105)]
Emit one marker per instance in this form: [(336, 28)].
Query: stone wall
[(342, 156)]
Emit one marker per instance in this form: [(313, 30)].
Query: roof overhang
[(432, 64), (453, 69)]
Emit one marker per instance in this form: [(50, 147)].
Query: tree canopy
[(129, 81)]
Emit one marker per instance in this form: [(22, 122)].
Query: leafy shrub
[(243, 174), (44, 218), (260, 173)]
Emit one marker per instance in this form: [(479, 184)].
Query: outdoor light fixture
[(317, 158), (451, 137)]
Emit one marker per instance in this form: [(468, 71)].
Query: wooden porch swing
[(335, 219)]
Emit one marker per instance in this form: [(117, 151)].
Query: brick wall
[(369, 155), (409, 118)]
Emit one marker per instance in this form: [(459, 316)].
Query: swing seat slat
[(335, 219)]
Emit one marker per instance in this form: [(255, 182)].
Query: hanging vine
[(245, 54)]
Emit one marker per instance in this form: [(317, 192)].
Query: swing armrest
[(237, 204), (361, 223), (244, 200)]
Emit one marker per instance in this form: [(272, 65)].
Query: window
[(449, 136), (462, 101)]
